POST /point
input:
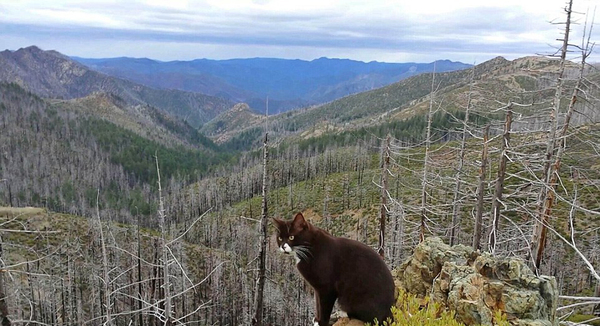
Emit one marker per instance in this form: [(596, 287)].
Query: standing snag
[(481, 190), (500, 180), (544, 202), (262, 255), (385, 162)]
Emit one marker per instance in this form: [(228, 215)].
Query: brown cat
[(338, 268)]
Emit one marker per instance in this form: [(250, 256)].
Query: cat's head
[(293, 236)]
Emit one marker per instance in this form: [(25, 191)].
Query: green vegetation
[(378, 101), (527, 83), (245, 140), (136, 154), (184, 129), (412, 129), (577, 318), (412, 311)]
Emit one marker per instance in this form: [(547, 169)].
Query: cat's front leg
[(317, 310), (326, 302)]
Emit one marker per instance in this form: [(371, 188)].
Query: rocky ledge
[(477, 285)]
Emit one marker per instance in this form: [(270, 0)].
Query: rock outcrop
[(476, 285)]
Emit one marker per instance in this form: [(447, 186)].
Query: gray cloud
[(459, 34)]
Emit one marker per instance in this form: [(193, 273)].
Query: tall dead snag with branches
[(165, 253), (481, 190), (262, 255), (139, 274), (426, 160), (105, 267), (456, 201), (385, 162), (497, 199), (544, 198)]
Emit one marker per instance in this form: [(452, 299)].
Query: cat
[(338, 269)]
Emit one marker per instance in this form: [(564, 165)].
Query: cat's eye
[(291, 237), (280, 239)]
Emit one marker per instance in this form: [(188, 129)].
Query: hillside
[(399, 108), (360, 110), (146, 121), (59, 155), (232, 121), (288, 83), (52, 75)]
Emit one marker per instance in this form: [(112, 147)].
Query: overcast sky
[(382, 30)]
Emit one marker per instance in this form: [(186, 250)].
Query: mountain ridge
[(51, 74), (289, 83), (407, 99)]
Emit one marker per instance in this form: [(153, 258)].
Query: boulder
[(477, 285)]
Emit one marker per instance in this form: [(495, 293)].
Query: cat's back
[(365, 285), (355, 253)]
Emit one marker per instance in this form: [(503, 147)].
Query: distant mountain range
[(50, 74), (289, 84), (400, 108)]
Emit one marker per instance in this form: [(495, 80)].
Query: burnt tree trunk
[(500, 180), (540, 230), (480, 191), (260, 283), (166, 288), (426, 161), (385, 162), (456, 202)]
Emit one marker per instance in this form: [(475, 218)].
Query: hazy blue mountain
[(288, 83)]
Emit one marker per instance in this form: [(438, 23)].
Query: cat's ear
[(299, 222), (279, 224)]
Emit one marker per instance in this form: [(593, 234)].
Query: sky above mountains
[(392, 31)]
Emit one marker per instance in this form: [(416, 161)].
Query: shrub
[(412, 311)]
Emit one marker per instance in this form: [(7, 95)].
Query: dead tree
[(262, 255), (139, 274), (497, 199), (456, 202), (426, 161), (165, 253), (480, 191), (540, 230), (105, 267), (385, 162)]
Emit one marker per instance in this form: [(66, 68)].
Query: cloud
[(366, 30)]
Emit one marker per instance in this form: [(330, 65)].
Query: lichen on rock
[(477, 285)]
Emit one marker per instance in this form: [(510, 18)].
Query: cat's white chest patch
[(296, 257)]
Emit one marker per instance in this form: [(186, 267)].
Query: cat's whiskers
[(301, 252), (304, 248)]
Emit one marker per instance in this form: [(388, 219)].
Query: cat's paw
[(315, 322)]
